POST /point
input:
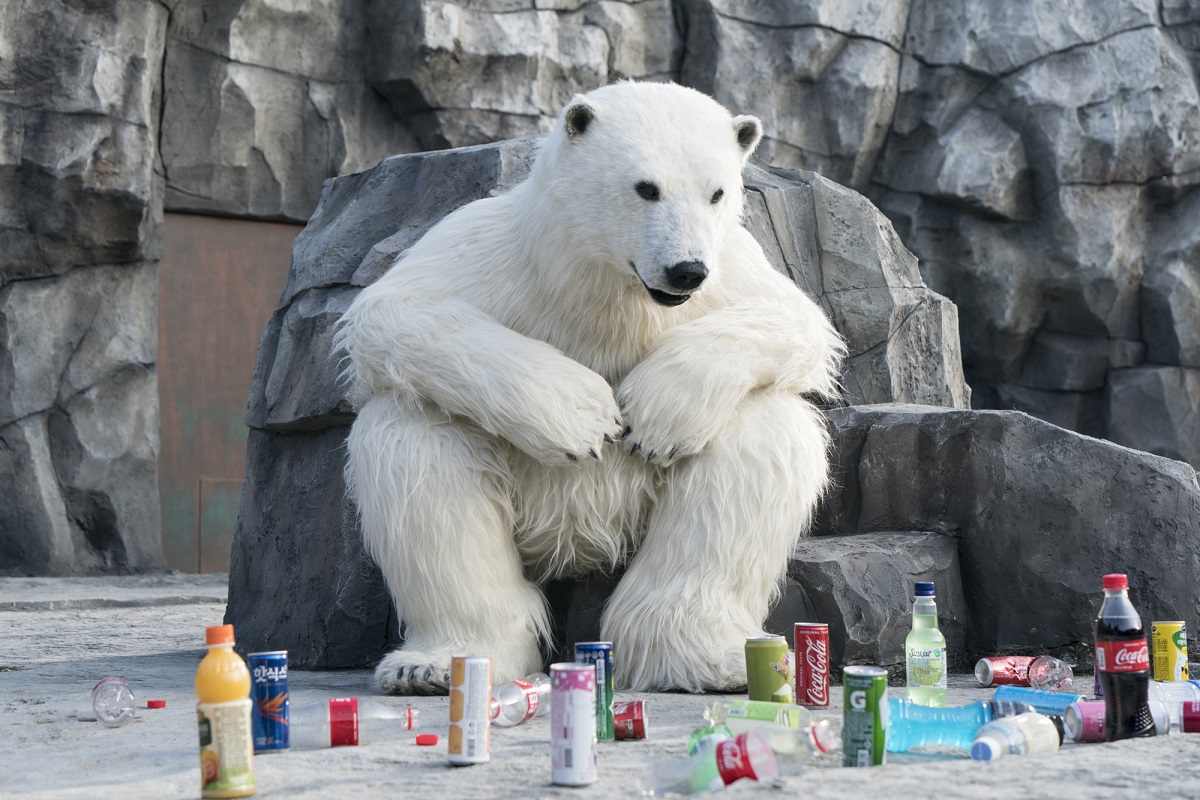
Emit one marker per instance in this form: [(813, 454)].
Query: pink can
[(1084, 721), (1189, 716)]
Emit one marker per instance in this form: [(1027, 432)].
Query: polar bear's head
[(647, 179)]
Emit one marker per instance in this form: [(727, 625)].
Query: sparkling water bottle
[(925, 650)]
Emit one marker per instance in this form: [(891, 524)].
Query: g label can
[(1168, 644), (269, 692), (864, 716), (768, 669), (601, 655), (812, 664), (573, 693), (470, 696)]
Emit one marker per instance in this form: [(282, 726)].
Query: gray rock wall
[(81, 210)]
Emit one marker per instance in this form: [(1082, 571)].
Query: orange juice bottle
[(223, 714)]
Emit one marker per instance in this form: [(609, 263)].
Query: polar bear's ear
[(749, 131), (578, 115)]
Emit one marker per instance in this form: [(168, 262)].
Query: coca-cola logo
[(1128, 656), (731, 760), (1131, 657), (816, 655)]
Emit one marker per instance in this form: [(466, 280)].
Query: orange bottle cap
[(218, 634)]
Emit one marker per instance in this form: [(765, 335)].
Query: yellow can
[(1168, 644)]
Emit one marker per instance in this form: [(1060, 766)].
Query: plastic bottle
[(348, 722), (223, 715), (1123, 661), (520, 700), (925, 650), (1019, 735), (112, 702), (748, 755), (1051, 674), (742, 715), (1173, 695), (912, 725)]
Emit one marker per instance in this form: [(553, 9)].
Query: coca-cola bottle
[(1123, 663)]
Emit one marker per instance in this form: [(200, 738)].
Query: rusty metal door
[(218, 282)]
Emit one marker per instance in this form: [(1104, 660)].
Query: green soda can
[(768, 669), (600, 654), (864, 716)]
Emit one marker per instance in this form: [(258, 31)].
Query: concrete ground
[(59, 636)]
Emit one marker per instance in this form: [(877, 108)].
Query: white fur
[(502, 357)]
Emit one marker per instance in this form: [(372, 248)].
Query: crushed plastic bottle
[(517, 701), (348, 721), (112, 701)]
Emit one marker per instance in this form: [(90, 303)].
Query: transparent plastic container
[(517, 701), (1019, 735), (913, 725), (349, 721), (112, 702), (749, 755), (925, 650), (1174, 694), (742, 715)]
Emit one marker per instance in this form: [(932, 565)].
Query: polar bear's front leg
[(437, 518), (717, 548)]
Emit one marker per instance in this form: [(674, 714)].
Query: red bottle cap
[(1116, 581), (156, 704), (427, 739)]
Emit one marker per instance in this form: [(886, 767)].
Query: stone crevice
[(75, 113)]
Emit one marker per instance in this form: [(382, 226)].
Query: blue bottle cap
[(923, 588)]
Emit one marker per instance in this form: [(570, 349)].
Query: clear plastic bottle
[(517, 701), (748, 755), (348, 721), (112, 701), (1051, 674), (742, 715), (925, 650), (1019, 735), (913, 725), (1173, 695)]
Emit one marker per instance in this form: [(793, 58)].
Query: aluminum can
[(600, 654), (629, 719), (269, 691), (1084, 721), (470, 698), (768, 669), (812, 664), (1189, 716), (1050, 704), (864, 716), (573, 693), (1168, 646), (1003, 670)]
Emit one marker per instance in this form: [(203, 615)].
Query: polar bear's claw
[(406, 673)]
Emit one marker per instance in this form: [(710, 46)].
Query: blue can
[(600, 654), (269, 691), (1052, 704)]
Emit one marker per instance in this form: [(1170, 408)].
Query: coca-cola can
[(629, 719), (1003, 671), (812, 664)]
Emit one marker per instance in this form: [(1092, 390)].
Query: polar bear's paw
[(406, 672)]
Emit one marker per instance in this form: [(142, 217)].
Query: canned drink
[(768, 669), (864, 716), (269, 691), (1051, 704), (573, 693), (629, 719), (1003, 671), (812, 663), (1168, 645), (600, 654), (1189, 716), (1084, 721), (470, 696)]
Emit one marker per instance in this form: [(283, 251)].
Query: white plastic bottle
[(348, 721), (112, 700), (1023, 734), (520, 700)]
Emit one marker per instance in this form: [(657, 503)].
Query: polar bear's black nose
[(686, 275)]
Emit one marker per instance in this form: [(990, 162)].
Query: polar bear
[(598, 367)]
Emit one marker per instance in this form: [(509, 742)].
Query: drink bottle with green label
[(925, 650)]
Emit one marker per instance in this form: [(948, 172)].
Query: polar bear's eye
[(647, 190), (717, 195)]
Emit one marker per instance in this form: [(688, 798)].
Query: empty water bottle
[(1051, 674), (742, 715), (348, 721), (1019, 735), (748, 755), (112, 701), (517, 701), (913, 725)]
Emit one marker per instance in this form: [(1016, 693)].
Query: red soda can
[(812, 664), (629, 719), (1003, 671)]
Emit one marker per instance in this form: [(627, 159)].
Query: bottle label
[(226, 746), (927, 667), (343, 722), (531, 699), (732, 760), (1132, 655)]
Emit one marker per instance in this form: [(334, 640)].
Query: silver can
[(470, 698), (572, 724)]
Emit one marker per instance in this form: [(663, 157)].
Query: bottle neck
[(924, 605)]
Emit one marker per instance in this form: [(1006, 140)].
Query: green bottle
[(925, 650)]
